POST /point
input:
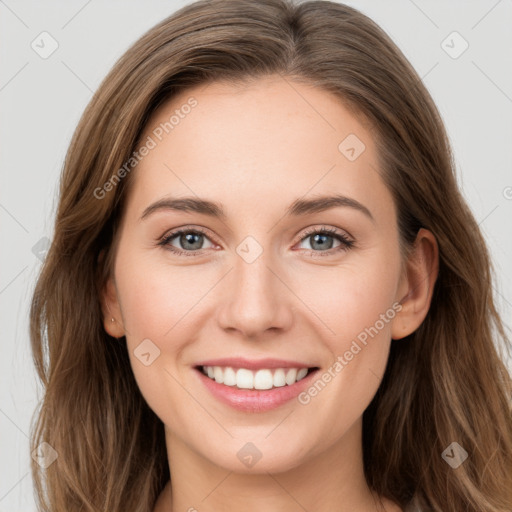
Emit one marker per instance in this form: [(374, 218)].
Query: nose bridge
[(256, 299)]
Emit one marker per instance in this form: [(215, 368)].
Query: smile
[(266, 378), (268, 385)]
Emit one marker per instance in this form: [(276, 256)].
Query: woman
[(360, 371)]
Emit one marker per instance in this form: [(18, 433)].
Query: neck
[(326, 481)]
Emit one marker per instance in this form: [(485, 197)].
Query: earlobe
[(421, 271), (112, 319)]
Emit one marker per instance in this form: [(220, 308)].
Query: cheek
[(157, 298), (356, 306), (359, 308), (158, 310), (350, 298)]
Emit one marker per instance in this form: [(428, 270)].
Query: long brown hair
[(444, 383)]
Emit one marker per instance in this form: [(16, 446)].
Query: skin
[(255, 149)]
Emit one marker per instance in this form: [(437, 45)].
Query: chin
[(258, 457)]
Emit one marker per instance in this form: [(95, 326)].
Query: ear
[(416, 285), (110, 306)]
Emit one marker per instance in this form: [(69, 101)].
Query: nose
[(257, 299)]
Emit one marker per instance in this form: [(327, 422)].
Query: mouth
[(261, 379), (265, 385)]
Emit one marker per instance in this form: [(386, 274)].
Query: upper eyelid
[(187, 229), (324, 229)]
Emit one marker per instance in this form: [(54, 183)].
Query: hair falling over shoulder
[(444, 383)]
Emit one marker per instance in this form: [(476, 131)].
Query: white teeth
[(229, 377), (218, 374), (291, 376), (279, 379), (244, 378), (261, 379), (302, 373)]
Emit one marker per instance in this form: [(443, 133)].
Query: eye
[(191, 240), (321, 239)]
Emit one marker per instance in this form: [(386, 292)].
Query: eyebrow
[(297, 208)]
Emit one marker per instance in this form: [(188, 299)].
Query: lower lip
[(255, 400)]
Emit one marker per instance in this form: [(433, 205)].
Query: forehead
[(269, 141)]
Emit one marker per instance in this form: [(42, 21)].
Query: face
[(276, 276)]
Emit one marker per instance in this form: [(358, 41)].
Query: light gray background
[(42, 99)]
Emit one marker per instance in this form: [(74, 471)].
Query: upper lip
[(254, 364)]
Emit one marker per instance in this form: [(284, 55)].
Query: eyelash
[(345, 245)]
